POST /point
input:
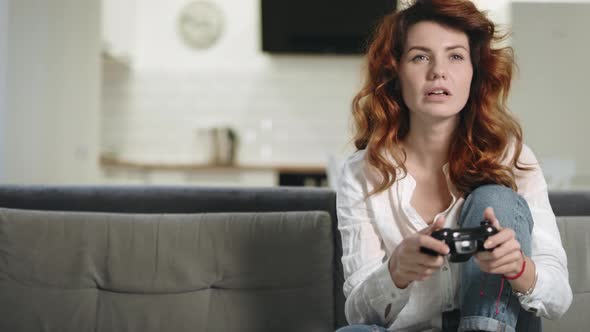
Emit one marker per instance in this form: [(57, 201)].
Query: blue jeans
[(482, 306)]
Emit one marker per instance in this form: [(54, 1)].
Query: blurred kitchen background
[(242, 92)]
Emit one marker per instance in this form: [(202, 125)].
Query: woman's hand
[(506, 257), (408, 264)]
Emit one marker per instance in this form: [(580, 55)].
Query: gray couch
[(196, 259)]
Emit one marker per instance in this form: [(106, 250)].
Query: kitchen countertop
[(109, 161)]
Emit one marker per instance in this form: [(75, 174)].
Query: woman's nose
[(438, 70)]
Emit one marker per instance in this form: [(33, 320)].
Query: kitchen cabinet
[(122, 171)]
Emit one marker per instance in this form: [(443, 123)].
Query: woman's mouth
[(437, 94)]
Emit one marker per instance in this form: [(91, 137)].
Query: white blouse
[(372, 228)]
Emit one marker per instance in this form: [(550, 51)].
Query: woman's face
[(435, 70)]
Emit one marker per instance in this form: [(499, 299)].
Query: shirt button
[(445, 268)]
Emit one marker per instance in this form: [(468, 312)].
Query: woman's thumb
[(437, 224)]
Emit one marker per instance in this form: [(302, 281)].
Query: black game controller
[(463, 242)]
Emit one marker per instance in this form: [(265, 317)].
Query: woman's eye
[(419, 58), (456, 57)]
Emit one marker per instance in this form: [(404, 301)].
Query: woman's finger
[(509, 259), (409, 275), (504, 269), (488, 214), (414, 269), (507, 248), (499, 251), (498, 239), (483, 265), (427, 241), (430, 261), (425, 275)]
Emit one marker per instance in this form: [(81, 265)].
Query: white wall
[(159, 46), (54, 87), (287, 109), (118, 27), (3, 63), (552, 47)]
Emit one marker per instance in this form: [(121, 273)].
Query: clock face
[(200, 24)]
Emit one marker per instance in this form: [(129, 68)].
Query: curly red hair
[(486, 129)]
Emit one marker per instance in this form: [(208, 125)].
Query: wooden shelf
[(108, 161)]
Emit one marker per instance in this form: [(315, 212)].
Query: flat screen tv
[(320, 26)]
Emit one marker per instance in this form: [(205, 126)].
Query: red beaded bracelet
[(521, 269)]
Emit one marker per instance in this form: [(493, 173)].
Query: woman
[(438, 148)]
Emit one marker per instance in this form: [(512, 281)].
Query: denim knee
[(510, 209), (492, 192), (502, 199), (362, 328), (493, 195)]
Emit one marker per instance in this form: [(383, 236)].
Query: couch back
[(573, 219), (172, 213), (169, 258)]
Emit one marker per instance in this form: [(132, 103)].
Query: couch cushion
[(184, 199), (575, 319), (569, 203), (575, 236), (84, 271)]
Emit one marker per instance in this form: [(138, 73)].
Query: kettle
[(223, 146)]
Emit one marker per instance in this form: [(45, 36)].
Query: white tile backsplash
[(296, 111)]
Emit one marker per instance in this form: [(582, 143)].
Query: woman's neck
[(427, 144)]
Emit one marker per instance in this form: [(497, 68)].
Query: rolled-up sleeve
[(371, 295), (552, 295)]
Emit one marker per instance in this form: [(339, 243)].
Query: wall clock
[(200, 24)]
